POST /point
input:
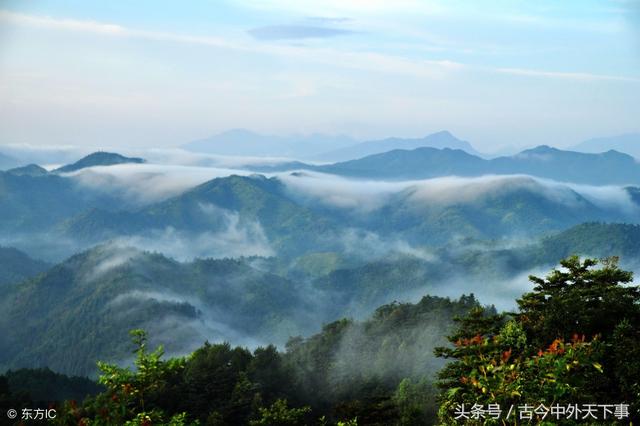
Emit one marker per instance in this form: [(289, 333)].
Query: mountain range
[(279, 216), (439, 140), (316, 147), (263, 257), (611, 167)]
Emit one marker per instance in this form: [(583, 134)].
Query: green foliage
[(44, 385), (579, 299), (570, 338), (279, 414), (416, 402), (345, 372), (16, 266), (100, 305), (360, 364), (130, 395)]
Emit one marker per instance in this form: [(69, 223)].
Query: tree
[(572, 328), (279, 414), (130, 397), (579, 299)]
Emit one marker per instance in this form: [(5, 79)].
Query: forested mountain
[(98, 159), (283, 214), (43, 386), (254, 205), (385, 370), (257, 259), (16, 266), (291, 224), (382, 366), (102, 293)]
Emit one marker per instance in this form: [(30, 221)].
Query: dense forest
[(574, 339)]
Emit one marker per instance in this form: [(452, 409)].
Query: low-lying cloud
[(365, 196), (235, 238), (141, 184)]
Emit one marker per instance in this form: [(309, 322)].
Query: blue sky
[(161, 73)]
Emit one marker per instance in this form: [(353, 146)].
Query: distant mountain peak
[(628, 143), (247, 142), (439, 140), (442, 134), (616, 153), (28, 170), (99, 158), (541, 149)]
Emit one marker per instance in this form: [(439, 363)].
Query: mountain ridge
[(610, 167), (99, 158)]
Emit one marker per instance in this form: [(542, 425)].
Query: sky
[(156, 73)]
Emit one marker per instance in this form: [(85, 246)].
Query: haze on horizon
[(159, 74)]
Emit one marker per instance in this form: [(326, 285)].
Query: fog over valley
[(197, 247)]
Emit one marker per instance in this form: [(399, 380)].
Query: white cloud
[(147, 183), (236, 238), (108, 29), (579, 76), (355, 59), (335, 191), (110, 257), (365, 196)]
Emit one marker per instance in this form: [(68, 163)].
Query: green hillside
[(16, 266)]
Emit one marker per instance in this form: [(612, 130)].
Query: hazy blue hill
[(610, 167), (244, 142), (30, 202), (628, 143), (29, 170), (99, 159), (90, 301), (16, 266), (440, 140), (419, 163)]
